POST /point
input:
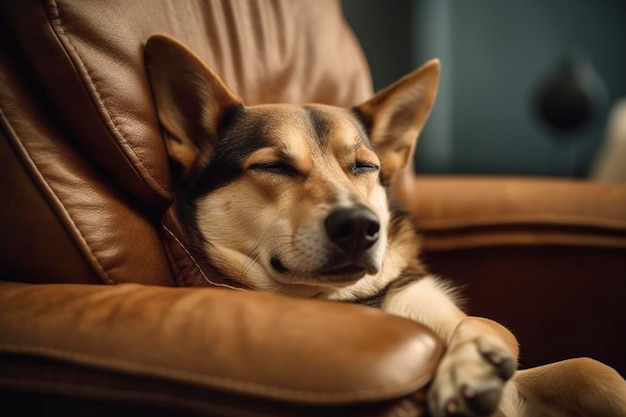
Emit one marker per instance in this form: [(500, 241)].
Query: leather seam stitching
[(43, 183), (97, 95)]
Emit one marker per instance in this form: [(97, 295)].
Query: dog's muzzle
[(351, 232)]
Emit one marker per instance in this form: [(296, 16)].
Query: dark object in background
[(571, 98)]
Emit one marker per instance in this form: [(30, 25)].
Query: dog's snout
[(353, 229)]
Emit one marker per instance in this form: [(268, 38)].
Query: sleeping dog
[(294, 200)]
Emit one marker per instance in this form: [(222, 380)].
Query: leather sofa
[(86, 191)]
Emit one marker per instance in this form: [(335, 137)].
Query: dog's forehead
[(309, 128)]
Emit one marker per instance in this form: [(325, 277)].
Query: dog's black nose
[(352, 229)]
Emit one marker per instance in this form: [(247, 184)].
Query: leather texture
[(82, 209), (514, 211), (367, 354)]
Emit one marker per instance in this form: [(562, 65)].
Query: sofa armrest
[(455, 212), (213, 351), (546, 257)]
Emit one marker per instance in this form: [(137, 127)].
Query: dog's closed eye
[(276, 167), (364, 167)]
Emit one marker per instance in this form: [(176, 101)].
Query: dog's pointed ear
[(190, 99), (396, 115)]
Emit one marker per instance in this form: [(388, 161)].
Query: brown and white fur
[(294, 200)]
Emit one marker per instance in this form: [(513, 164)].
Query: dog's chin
[(336, 276)]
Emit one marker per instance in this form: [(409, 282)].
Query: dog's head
[(287, 198)]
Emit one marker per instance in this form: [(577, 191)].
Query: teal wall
[(494, 54)]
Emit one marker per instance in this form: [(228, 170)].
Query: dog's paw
[(470, 379)]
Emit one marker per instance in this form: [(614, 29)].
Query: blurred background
[(528, 88)]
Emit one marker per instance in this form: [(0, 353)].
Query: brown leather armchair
[(85, 185)]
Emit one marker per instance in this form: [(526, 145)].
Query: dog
[(295, 200)]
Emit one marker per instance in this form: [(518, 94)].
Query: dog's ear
[(190, 99), (396, 115)]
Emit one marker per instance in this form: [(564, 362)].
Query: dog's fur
[(294, 200)]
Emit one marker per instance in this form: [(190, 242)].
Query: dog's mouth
[(346, 271)]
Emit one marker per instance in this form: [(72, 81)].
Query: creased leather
[(106, 238)]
